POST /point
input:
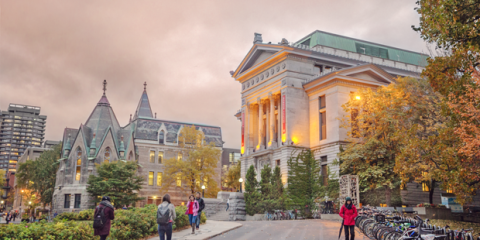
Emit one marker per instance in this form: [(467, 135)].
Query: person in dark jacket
[(8, 217), (109, 213), (202, 206), (349, 212)]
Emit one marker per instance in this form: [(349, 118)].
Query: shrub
[(135, 223)]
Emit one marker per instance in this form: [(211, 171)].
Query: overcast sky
[(55, 54)]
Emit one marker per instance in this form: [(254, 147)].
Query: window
[(130, 156), (179, 180), (160, 157), (449, 189), (78, 169), (180, 156), (425, 187), (150, 178), (161, 137), (233, 157), (152, 156), (277, 162), (78, 200), (159, 179), (325, 174), (107, 155), (66, 203), (372, 51), (322, 117)]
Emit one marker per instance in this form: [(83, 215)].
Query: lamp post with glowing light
[(203, 191), (241, 181)]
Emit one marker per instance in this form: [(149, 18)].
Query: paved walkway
[(208, 230), (288, 229)]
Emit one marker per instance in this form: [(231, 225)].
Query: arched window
[(161, 137), (78, 169), (130, 156), (107, 155)]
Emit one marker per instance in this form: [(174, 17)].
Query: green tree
[(2, 177), (304, 181), (39, 175), (265, 181), (252, 196), (197, 166), (118, 180), (277, 184)]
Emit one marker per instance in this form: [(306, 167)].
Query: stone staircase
[(220, 216)]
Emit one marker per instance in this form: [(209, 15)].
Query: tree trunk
[(432, 189), (388, 196)]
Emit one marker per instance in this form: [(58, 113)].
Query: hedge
[(135, 223)]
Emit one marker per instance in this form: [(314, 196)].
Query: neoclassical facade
[(292, 94), (145, 139)]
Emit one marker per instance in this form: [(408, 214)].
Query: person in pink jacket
[(349, 212), (192, 211)]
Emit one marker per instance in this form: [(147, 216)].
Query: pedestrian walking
[(103, 215), (14, 216), (228, 204), (55, 214), (201, 205), (8, 218), (192, 211), (165, 217), (348, 212)]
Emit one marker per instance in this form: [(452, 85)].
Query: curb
[(210, 237)]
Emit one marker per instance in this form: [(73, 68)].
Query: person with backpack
[(192, 211), (348, 213), (103, 215), (8, 218), (201, 205), (165, 217)]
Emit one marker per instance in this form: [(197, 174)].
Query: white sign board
[(349, 188)]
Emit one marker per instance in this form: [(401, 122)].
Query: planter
[(256, 217)]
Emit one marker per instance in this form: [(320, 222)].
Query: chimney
[(258, 38)]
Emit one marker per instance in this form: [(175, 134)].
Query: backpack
[(99, 219), (163, 214)]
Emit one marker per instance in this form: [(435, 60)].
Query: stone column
[(246, 132), (267, 121), (250, 118), (272, 120), (260, 123)]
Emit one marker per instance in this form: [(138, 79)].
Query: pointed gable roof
[(143, 108)]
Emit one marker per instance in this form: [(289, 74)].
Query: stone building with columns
[(292, 94), (145, 139)]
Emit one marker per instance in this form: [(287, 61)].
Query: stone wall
[(237, 207)]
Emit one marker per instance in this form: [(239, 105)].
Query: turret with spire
[(143, 108)]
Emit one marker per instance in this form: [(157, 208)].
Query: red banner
[(243, 129), (284, 119)]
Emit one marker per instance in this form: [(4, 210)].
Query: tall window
[(150, 178), (160, 157), (130, 156), (161, 137), (106, 157), (66, 202), (322, 117), (78, 200), (78, 169), (179, 180), (180, 156), (324, 174), (159, 179), (152, 156)]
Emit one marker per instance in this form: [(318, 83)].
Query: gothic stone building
[(292, 94), (144, 139)]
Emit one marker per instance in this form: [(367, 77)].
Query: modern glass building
[(21, 126)]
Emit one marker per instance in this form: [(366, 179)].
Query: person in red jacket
[(109, 213), (349, 213)]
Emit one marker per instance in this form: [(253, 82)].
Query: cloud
[(55, 54)]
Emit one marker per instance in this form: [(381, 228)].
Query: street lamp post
[(241, 181), (203, 191)]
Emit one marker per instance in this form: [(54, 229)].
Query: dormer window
[(161, 137), (107, 155)]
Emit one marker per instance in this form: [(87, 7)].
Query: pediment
[(367, 72), (257, 54)]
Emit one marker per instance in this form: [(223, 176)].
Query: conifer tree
[(252, 196), (303, 181)]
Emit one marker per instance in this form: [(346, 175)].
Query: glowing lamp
[(295, 140), (242, 150), (357, 97), (240, 180), (203, 187), (284, 138)]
